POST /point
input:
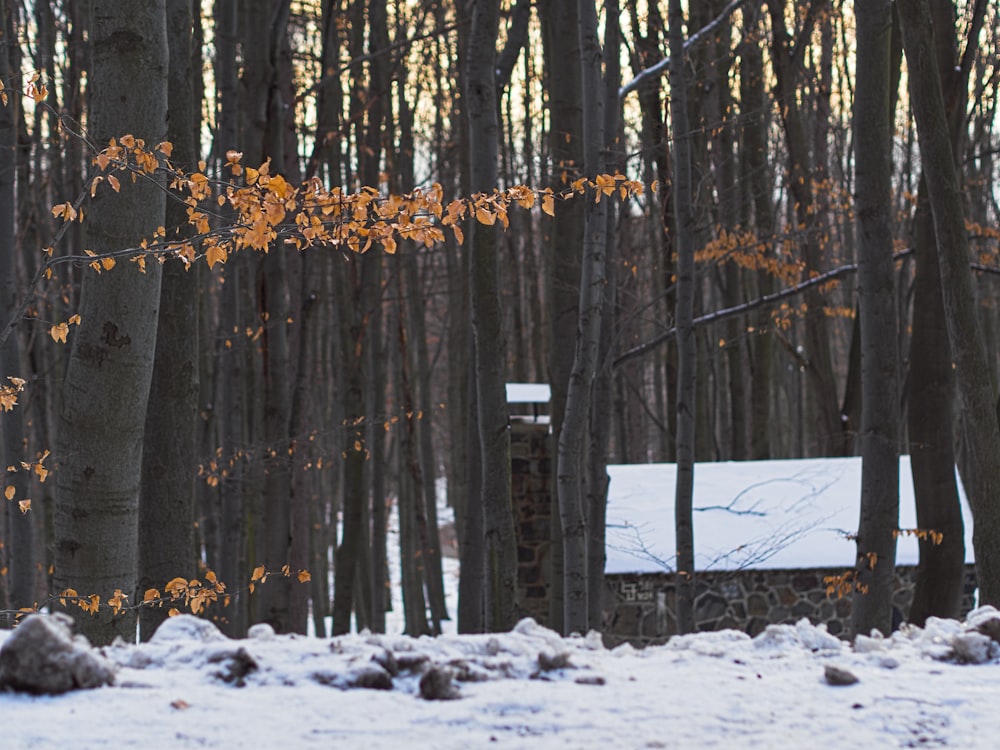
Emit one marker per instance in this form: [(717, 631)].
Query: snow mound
[(187, 628), (43, 656)]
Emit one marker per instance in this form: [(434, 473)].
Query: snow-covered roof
[(528, 393), (751, 515)]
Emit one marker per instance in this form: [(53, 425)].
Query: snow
[(191, 687), (751, 514), (528, 393), (932, 687)]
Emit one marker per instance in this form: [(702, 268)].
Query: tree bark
[(930, 420), (683, 315), (111, 363), (968, 352), (755, 163), (169, 465), (601, 413), (941, 570), (19, 526), (570, 468), (876, 543), (564, 235), (494, 437)]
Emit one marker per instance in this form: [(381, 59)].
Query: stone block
[(757, 604), (709, 606)]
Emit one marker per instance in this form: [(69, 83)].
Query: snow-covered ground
[(190, 687)]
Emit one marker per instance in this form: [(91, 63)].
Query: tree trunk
[(19, 526), (876, 543), (683, 316), (494, 438), (462, 468), (601, 416), (564, 234), (941, 570), (968, 352), (169, 465), (757, 171), (111, 362), (570, 468), (930, 419)]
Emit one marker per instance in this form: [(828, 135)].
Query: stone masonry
[(639, 608), (531, 497)]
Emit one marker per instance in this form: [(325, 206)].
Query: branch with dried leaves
[(195, 595)]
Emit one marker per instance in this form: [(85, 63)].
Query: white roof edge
[(528, 393)]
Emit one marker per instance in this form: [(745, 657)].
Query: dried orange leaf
[(59, 332)]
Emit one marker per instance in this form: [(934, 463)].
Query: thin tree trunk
[(563, 235), (169, 468), (601, 417), (19, 525), (494, 439), (683, 315), (930, 420), (570, 468), (755, 161)]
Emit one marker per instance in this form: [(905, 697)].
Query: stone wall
[(639, 608), (531, 497)]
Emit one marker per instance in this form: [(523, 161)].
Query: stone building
[(531, 476), (769, 537)]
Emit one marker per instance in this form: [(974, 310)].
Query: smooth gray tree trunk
[(111, 363)]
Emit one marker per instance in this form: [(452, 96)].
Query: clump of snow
[(43, 656), (262, 631), (187, 628), (803, 635), (190, 686)]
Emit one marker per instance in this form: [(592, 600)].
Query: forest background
[(719, 233)]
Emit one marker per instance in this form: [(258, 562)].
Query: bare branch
[(659, 68), (767, 299)]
